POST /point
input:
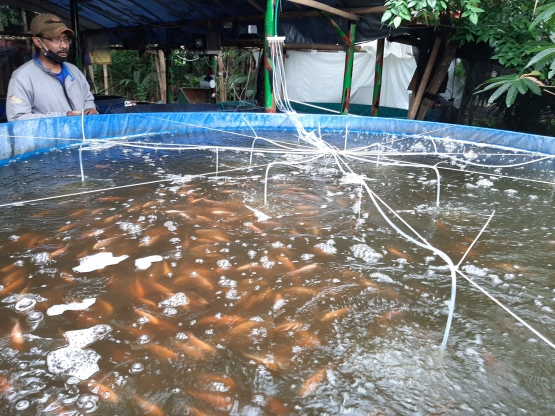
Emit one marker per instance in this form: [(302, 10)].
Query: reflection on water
[(193, 297)]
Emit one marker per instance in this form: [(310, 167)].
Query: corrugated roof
[(168, 21)]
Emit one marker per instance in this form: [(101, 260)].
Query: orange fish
[(17, 339), (334, 314), (210, 379), (201, 345), (398, 253), (161, 352), (311, 383), (58, 252), (262, 361), (147, 407), (191, 351), (302, 270), (218, 401), (389, 315), (147, 315), (104, 392), (14, 285)]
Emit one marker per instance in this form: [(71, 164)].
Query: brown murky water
[(190, 296)]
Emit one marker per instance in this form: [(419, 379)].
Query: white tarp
[(318, 76)]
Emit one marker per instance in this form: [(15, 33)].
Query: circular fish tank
[(257, 264)]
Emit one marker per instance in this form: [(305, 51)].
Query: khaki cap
[(49, 25)]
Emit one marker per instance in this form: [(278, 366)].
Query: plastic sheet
[(20, 138)]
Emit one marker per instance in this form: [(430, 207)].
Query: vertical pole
[(74, 11), (213, 71), (416, 100), (348, 77), (106, 83), (270, 30), (378, 78), (223, 91), (25, 29), (169, 77), (163, 79)]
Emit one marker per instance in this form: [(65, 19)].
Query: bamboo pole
[(448, 56), (223, 91), (378, 78), (163, 81), (415, 104), (105, 67)]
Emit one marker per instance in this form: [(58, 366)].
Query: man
[(47, 86)]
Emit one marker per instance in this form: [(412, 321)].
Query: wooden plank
[(326, 8)]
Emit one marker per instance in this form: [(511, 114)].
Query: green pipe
[(348, 78), (269, 100), (378, 78)]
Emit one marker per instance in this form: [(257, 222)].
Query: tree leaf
[(397, 21), (521, 85), (497, 93), (540, 56), (535, 88), (511, 95)]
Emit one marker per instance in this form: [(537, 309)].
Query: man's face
[(59, 45)]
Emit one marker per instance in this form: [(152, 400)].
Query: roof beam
[(326, 8), (258, 6)]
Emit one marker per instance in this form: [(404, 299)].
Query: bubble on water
[(88, 403), (24, 304), (224, 264), (232, 294), (484, 183), (143, 320), (327, 247), (40, 258), (266, 262), (368, 254), (475, 271), (22, 405), (146, 262), (13, 237), (225, 282), (136, 368), (382, 278), (176, 300), (170, 311), (307, 257), (143, 339), (74, 362), (251, 254), (181, 336), (130, 228), (23, 365), (170, 225)]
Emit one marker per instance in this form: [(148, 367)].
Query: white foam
[(73, 306), (73, 360), (259, 214), (327, 247), (176, 300), (368, 254), (98, 261), (145, 262)]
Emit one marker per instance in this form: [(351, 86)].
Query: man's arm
[(18, 103)]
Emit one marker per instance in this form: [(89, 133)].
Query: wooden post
[(91, 73), (448, 55), (159, 77), (26, 29), (163, 81), (223, 91), (105, 67), (415, 104)]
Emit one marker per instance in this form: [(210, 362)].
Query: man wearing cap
[(47, 86)]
